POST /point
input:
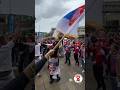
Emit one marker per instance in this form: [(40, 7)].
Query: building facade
[(13, 23), (39, 36), (81, 31), (111, 13), (16, 15)]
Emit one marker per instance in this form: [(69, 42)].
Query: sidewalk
[(66, 82)]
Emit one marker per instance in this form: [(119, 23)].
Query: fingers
[(49, 53)]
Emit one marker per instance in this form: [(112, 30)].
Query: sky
[(49, 12)]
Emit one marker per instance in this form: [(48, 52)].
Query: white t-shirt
[(37, 50), (6, 57), (83, 52)]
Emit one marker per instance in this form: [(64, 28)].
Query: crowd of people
[(66, 49), (75, 48), (102, 48), (16, 53)]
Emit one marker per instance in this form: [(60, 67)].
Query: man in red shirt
[(67, 54), (98, 60), (76, 51)]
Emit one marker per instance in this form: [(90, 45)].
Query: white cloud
[(48, 12), (49, 9)]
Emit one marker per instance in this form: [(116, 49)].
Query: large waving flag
[(69, 23)]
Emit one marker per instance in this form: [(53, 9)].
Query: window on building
[(2, 20)]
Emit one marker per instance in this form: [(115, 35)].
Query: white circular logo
[(78, 78)]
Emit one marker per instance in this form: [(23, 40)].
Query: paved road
[(66, 82), (90, 82), (67, 74)]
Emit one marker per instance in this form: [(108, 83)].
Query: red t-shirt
[(76, 50), (67, 49), (99, 57)]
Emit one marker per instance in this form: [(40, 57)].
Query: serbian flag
[(69, 23)]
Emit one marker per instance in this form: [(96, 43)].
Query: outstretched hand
[(49, 53)]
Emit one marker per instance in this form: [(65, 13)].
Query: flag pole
[(68, 31), (57, 45)]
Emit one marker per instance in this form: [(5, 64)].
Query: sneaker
[(51, 81), (58, 79), (81, 65), (65, 62)]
